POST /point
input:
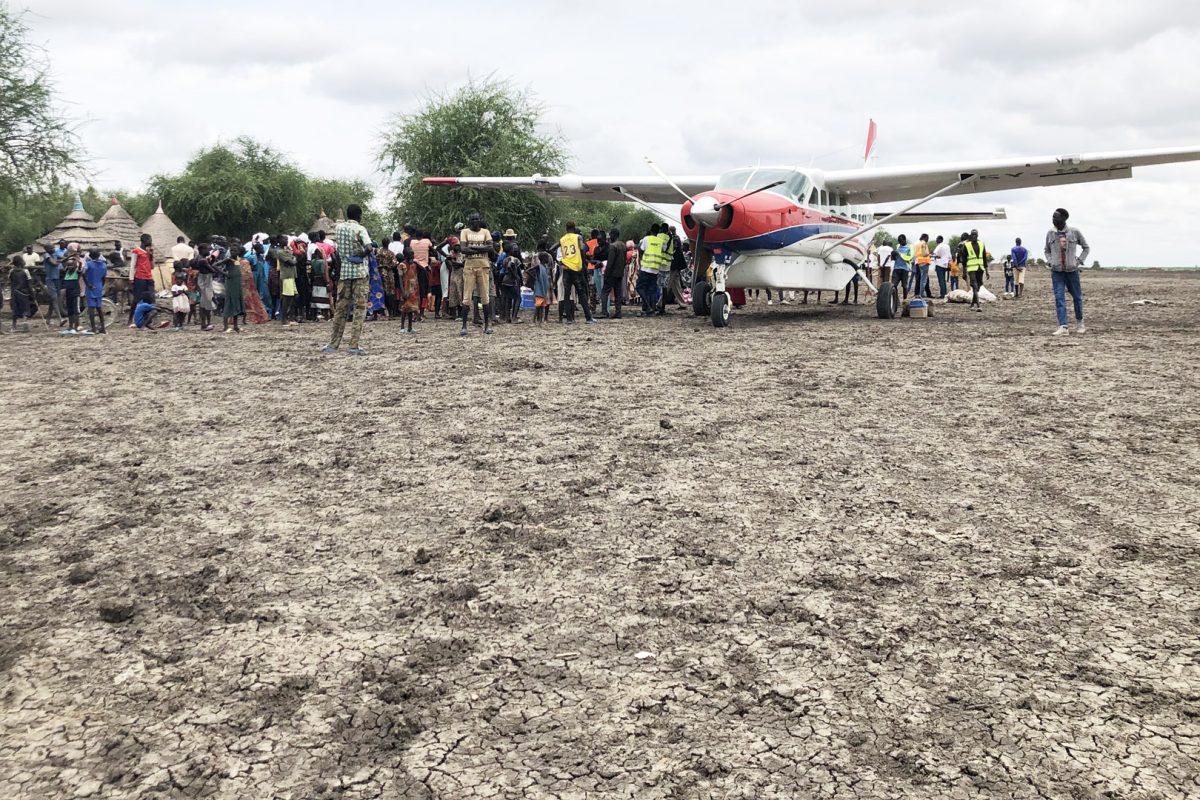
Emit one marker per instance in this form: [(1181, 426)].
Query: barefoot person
[(1066, 252)]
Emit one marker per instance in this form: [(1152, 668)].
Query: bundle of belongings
[(964, 295)]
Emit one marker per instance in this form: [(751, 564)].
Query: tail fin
[(872, 131)]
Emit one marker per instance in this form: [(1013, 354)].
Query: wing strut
[(657, 212), (962, 179)]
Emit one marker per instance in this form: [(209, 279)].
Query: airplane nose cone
[(706, 210)]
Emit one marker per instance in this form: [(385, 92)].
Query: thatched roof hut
[(119, 225), (78, 226), (163, 231), (324, 223)]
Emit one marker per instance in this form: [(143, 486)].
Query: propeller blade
[(667, 178)]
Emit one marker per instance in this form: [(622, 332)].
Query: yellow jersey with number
[(571, 252)]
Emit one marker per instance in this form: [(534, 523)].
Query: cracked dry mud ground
[(943, 558)]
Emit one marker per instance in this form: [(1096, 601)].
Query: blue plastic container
[(916, 303), (526, 297)]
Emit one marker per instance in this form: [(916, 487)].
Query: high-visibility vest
[(668, 250), (571, 256), (923, 253), (974, 256), (652, 258)]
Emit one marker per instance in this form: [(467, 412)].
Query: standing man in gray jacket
[(1066, 252)]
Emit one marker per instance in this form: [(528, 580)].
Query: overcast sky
[(723, 85)]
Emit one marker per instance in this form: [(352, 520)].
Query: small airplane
[(806, 229)]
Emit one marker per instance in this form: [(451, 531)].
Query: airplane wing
[(890, 184), (942, 216), (651, 189)]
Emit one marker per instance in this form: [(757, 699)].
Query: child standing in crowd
[(95, 270), (410, 289), (72, 270), (320, 292), (193, 292), (1010, 284), (179, 300), (540, 270)]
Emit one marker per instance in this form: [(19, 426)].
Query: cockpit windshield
[(795, 186)]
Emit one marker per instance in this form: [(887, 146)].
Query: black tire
[(700, 298), (887, 302), (719, 313)]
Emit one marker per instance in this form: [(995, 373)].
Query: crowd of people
[(911, 267), (472, 275)]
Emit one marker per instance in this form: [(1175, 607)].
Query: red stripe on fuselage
[(761, 214)]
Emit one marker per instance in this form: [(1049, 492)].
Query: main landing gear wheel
[(887, 302), (700, 298), (720, 310)]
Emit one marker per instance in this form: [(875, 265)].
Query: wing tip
[(440, 181)]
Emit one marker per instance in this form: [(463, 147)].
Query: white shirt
[(181, 252), (941, 255), (397, 248), (885, 255)]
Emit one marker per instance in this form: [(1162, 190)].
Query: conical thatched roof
[(163, 231), (119, 226), (324, 223), (78, 226)]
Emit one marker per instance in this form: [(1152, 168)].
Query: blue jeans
[(921, 280), (942, 272), (647, 283), (1065, 282)]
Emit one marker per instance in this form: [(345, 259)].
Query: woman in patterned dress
[(387, 273), (375, 302)]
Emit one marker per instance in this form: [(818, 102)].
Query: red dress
[(410, 287), (256, 312)]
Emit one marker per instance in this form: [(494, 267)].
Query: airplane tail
[(872, 132)]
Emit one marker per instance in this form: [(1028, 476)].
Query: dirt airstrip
[(812, 555)]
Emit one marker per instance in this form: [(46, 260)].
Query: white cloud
[(700, 89)]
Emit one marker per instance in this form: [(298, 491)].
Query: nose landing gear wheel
[(700, 298), (887, 302), (719, 313)]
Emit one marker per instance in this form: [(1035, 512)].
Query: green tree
[(38, 146), (883, 237), (236, 190), (25, 216), (484, 128), (332, 195)]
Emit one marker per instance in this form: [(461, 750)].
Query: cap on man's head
[(510, 232), (1062, 212)]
